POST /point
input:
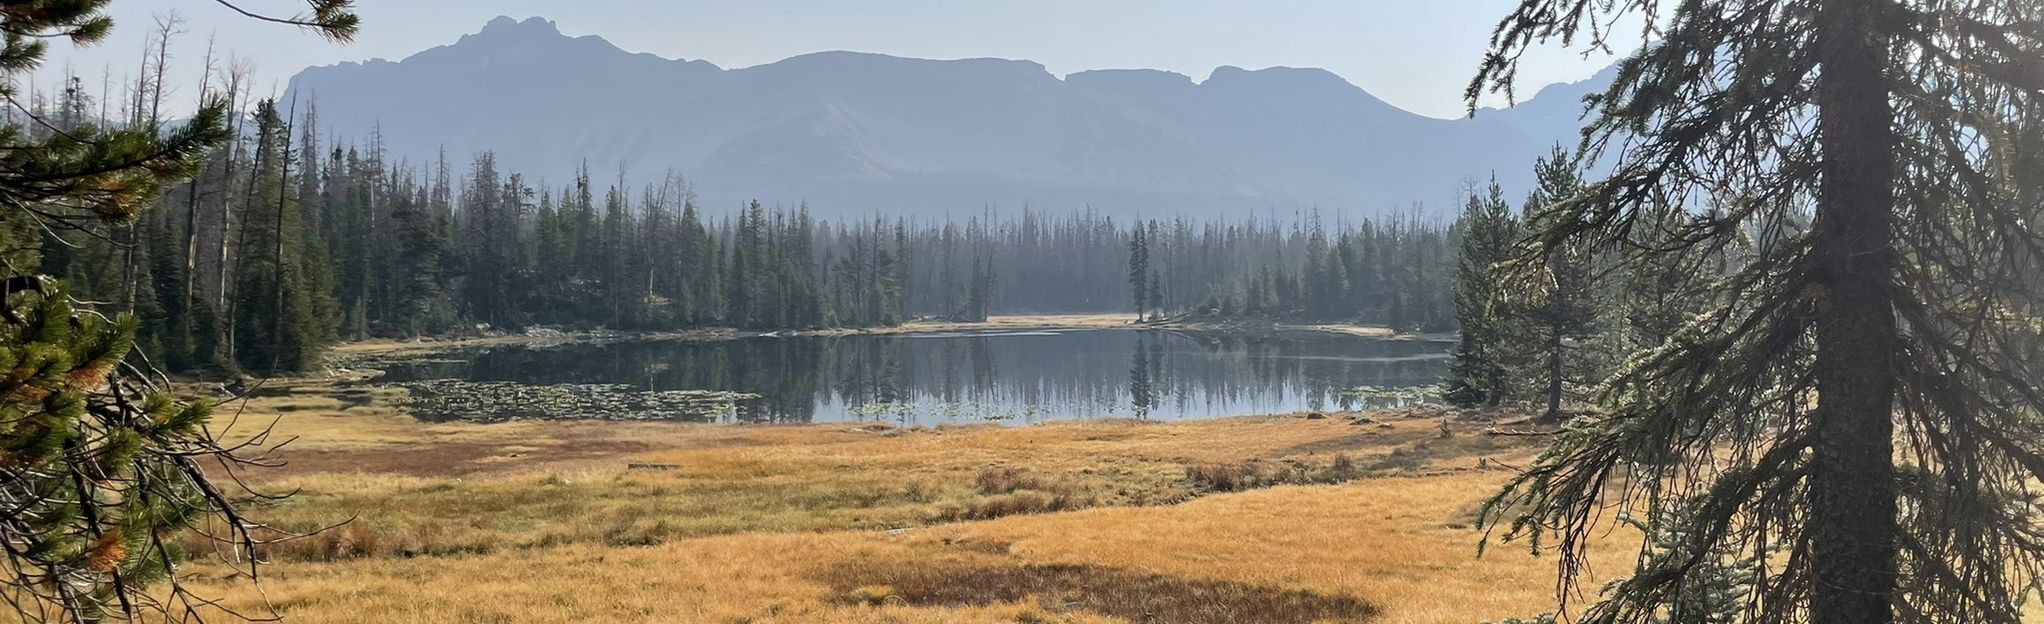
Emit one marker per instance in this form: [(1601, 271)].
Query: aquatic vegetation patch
[(1377, 398), (933, 411), (442, 400)]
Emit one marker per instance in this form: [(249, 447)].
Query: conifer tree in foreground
[(1858, 407), (102, 471)]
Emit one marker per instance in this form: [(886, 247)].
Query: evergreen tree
[(1139, 271), (421, 303), (1858, 388), (285, 309), (103, 471), (1478, 373), (701, 291), (980, 299), (1556, 303)]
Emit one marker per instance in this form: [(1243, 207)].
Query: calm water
[(925, 379)]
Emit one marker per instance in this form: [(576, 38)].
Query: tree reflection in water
[(1015, 378)]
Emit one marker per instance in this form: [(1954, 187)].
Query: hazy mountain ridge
[(858, 132)]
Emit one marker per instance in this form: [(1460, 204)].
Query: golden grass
[(720, 480), (1399, 548), (1102, 521)]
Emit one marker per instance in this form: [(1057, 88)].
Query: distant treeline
[(288, 242)]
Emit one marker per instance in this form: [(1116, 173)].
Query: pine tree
[(284, 309), (887, 282), (103, 472), (980, 299), (1556, 301), (421, 304), (1139, 271), (702, 291), (1478, 373), (1858, 387)]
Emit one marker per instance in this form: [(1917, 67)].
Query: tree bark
[(1852, 527), (1554, 346), (277, 266)]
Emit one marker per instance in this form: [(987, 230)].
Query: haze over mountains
[(858, 133)]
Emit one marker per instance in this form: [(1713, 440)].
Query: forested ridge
[(289, 241)]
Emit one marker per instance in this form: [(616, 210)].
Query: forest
[(288, 241)]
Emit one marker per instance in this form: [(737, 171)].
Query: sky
[(1415, 54)]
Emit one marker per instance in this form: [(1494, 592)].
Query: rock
[(1316, 416)]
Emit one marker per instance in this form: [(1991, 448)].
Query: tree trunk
[(277, 267), (1852, 527), (192, 244), (124, 239), (1554, 347)]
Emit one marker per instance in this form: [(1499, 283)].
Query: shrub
[(1017, 503), (1255, 473), (1005, 480)]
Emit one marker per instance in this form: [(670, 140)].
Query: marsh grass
[(1292, 519)]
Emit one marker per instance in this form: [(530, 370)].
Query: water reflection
[(1015, 377)]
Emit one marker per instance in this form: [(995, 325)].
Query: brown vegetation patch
[(1008, 479), (1256, 473), (1132, 595), (445, 459), (1011, 491)]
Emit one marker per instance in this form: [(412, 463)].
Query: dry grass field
[(1283, 519)]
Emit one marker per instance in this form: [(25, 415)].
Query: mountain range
[(857, 133)]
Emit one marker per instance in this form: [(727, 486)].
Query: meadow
[(1284, 519)]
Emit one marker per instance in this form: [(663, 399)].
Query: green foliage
[(285, 314), (1531, 322), (1394, 272), (1140, 284), (1837, 193), (99, 473), (96, 472), (1478, 374), (1715, 582), (1554, 301)]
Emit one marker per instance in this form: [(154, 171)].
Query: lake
[(1012, 377)]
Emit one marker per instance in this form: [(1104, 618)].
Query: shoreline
[(385, 347)]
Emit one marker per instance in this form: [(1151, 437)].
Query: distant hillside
[(857, 133)]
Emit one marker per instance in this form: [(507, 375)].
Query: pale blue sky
[(1416, 54)]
